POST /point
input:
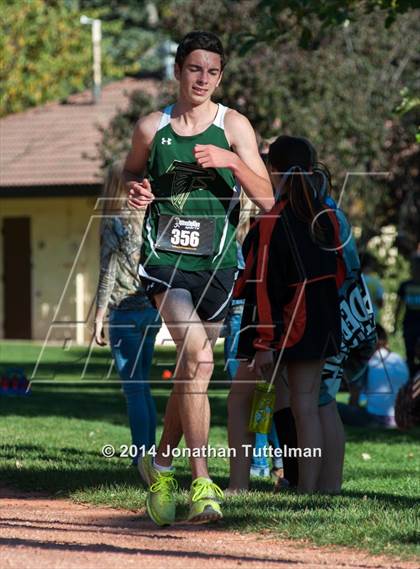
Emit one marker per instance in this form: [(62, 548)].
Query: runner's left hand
[(210, 156)]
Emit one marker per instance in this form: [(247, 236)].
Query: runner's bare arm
[(245, 162), (140, 192), (250, 169)]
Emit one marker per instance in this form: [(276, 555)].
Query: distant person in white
[(386, 373)]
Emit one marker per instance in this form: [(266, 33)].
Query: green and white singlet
[(191, 224)]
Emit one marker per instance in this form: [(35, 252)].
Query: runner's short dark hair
[(199, 40)]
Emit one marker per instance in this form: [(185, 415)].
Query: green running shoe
[(205, 498), (146, 469), (160, 501)]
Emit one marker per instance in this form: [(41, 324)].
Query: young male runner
[(197, 155)]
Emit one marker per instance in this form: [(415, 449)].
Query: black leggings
[(286, 431)]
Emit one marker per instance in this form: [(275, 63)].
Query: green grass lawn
[(52, 440)]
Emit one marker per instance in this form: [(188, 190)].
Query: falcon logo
[(167, 141), (186, 178)]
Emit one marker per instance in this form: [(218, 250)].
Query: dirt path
[(40, 532)]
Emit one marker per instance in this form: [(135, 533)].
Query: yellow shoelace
[(165, 484), (205, 489)]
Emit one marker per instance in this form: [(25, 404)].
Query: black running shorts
[(211, 291)]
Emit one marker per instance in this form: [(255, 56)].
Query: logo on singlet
[(187, 178), (167, 141)]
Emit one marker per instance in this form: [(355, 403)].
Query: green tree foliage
[(132, 30), (388, 141), (405, 164), (310, 19), (46, 54)]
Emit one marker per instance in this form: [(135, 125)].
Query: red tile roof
[(46, 145)]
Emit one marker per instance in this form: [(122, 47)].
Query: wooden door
[(17, 277)]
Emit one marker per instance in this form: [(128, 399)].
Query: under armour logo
[(166, 140)]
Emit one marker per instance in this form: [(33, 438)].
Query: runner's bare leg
[(188, 409), (172, 432), (239, 408), (331, 475), (304, 381)]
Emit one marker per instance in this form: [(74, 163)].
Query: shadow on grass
[(107, 405), (23, 451), (389, 500), (378, 435), (79, 364), (103, 403), (65, 480), (412, 538)]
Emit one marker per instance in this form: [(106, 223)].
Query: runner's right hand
[(140, 194), (264, 364)]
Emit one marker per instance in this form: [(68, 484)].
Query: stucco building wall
[(58, 227)]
